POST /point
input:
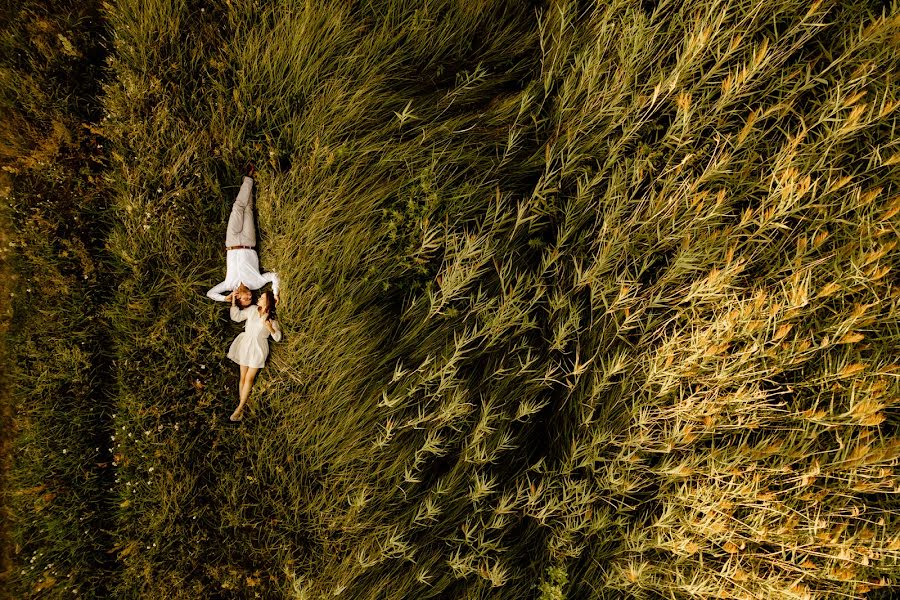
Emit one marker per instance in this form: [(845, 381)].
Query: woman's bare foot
[(237, 415)]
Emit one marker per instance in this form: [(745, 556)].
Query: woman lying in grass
[(250, 348)]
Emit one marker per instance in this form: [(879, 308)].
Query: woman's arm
[(274, 329), (236, 313)]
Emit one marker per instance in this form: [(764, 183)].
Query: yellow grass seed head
[(828, 289), (877, 272), (872, 420), (840, 183), (820, 238), (893, 207), (851, 338), (851, 369), (782, 331)]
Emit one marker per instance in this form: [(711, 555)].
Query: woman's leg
[(235, 416), (246, 384)]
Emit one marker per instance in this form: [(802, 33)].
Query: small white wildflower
[(65, 451)]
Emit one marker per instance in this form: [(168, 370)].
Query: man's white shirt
[(242, 266)]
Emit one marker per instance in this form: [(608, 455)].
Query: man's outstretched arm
[(272, 277), (216, 292)]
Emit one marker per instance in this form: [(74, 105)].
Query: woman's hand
[(274, 329)]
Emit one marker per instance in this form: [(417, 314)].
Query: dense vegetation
[(582, 300), (56, 494)]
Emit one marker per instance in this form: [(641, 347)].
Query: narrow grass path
[(7, 278), (59, 486)]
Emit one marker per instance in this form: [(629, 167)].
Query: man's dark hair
[(240, 304)]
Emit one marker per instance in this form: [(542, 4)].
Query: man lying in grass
[(250, 348), (242, 272)]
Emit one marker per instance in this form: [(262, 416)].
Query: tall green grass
[(598, 287)]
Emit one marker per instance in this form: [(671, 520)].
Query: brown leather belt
[(238, 248)]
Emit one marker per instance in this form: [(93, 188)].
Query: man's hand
[(276, 299), (229, 297)]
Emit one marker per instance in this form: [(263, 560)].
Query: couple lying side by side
[(250, 348)]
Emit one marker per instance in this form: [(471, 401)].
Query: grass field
[(580, 300), (56, 495)]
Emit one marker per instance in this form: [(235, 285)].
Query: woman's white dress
[(251, 347)]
